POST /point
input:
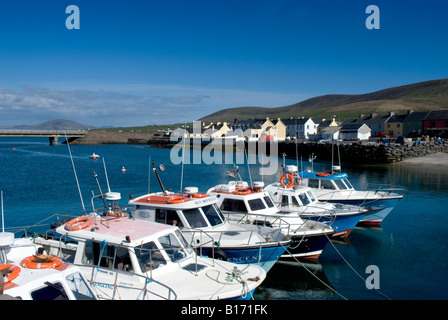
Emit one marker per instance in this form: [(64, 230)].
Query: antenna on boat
[(149, 174), (311, 159), (105, 171), (183, 160), (162, 167), (101, 192), (74, 170)]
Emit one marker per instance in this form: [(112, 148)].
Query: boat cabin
[(326, 180)]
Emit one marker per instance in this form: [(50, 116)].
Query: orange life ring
[(290, 180), (15, 270), (31, 263), (296, 177), (176, 200), (79, 223), (199, 195), (243, 191)]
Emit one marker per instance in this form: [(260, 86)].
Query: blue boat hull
[(263, 256), (342, 224), (378, 209)]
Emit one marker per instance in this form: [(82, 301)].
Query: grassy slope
[(428, 95)]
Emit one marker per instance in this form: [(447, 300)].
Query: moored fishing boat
[(334, 187), (28, 274), (244, 204), (129, 259), (292, 196), (208, 231)]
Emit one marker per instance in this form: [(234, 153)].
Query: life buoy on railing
[(290, 179), (41, 262), (176, 200), (15, 270), (243, 192), (79, 223), (296, 177), (199, 195)]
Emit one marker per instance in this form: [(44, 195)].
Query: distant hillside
[(422, 96), (58, 124)]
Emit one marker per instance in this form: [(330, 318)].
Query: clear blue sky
[(169, 61)]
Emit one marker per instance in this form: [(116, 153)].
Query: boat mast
[(158, 177)]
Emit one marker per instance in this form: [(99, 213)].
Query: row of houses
[(411, 124)]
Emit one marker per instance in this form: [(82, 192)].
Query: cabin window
[(106, 255), (214, 217), (295, 203), (52, 291), (349, 185), (79, 287), (172, 247), (256, 204), (313, 183), (168, 217), (326, 184), (149, 257), (285, 201), (233, 205), (304, 199), (194, 218), (311, 196), (340, 184), (268, 201)]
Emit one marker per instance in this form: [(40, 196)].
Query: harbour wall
[(346, 151)]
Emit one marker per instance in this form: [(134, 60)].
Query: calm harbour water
[(410, 248)]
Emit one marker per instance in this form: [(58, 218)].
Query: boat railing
[(266, 220), (141, 293)]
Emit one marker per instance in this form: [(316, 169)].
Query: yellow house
[(280, 127)]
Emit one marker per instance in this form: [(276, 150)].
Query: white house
[(300, 128), (356, 131)]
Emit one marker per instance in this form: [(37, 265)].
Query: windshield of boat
[(349, 185), (310, 194), (172, 247), (341, 185), (194, 218), (213, 215), (304, 199), (79, 287), (149, 256)]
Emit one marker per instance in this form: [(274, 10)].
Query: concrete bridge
[(53, 135)]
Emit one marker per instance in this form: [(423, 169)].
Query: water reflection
[(296, 280)]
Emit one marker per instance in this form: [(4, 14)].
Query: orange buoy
[(290, 179), (41, 262), (79, 223), (15, 270)]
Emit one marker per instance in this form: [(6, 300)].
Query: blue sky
[(144, 62)]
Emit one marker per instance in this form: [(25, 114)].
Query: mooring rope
[(320, 280), (356, 272)]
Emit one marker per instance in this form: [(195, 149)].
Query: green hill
[(422, 96)]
